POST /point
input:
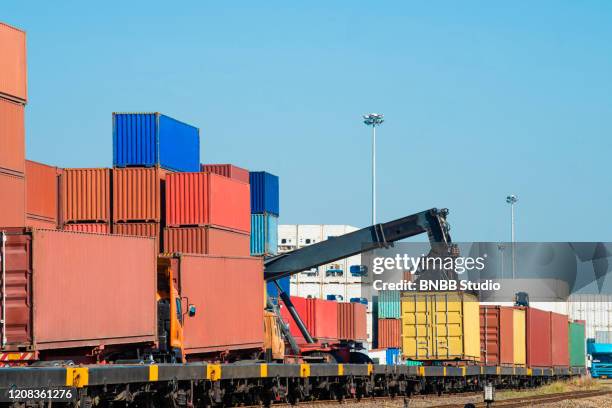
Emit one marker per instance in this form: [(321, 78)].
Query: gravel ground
[(595, 402)]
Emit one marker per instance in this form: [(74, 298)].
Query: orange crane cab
[(170, 314)]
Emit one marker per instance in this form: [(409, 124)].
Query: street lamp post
[(512, 199), (373, 119)]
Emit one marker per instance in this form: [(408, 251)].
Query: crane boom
[(433, 222)]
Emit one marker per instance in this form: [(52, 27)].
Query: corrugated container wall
[(86, 195), (264, 234), (206, 240), (426, 337), (126, 310), (319, 316), (153, 139), (138, 194), (576, 344), (12, 203), (389, 333), (559, 340), (12, 136), (496, 334), (91, 227), (227, 293), (227, 170), (387, 304), (42, 185), (352, 321), (13, 64), (538, 340), (264, 193), (205, 198)]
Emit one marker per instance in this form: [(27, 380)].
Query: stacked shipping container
[(42, 195), (207, 214), (86, 199), (264, 222), (13, 97)]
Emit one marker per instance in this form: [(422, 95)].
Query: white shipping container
[(596, 310)]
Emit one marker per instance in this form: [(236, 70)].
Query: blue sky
[(481, 99)]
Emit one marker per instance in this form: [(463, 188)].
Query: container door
[(518, 338), (16, 297), (416, 321), (447, 326)]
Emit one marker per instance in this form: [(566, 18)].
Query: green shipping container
[(576, 347), (388, 304)]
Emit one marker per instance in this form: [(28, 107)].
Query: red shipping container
[(496, 334), (206, 240), (13, 66), (137, 194), (139, 229), (228, 293), (91, 227), (227, 170), (319, 316), (85, 195), (12, 135), (197, 199), (42, 184), (538, 341), (66, 291), (352, 323), (559, 331), (39, 223), (12, 203), (389, 333)]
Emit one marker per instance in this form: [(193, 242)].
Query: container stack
[(13, 98), (146, 148), (387, 318), (264, 222)]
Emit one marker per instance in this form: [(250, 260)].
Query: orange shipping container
[(12, 136), (352, 323), (85, 195), (12, 203), (227, 293), (13, 67), (206, 198), (319, 316), (137, 194), (39, 223), (389, 333), (96, 228), (139, 229), (228, 170), (206, 240), (42, 183)]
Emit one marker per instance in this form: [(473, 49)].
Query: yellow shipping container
[(440, 326), (518, 337)]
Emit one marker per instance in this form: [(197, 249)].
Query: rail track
[(507, 403)]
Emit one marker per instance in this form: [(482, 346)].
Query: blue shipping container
[(264, 234), (264, 193), (392, 356), (153, 139), (272, 291)]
